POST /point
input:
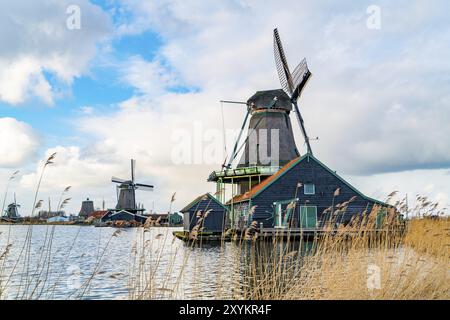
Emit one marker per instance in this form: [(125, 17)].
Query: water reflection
[(72, 262)]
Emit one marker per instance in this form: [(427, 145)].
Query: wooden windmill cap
[(270, 99)]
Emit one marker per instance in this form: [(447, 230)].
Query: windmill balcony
[(243, 172)]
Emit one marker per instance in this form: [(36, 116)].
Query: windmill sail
[(282, 66), (145, 187), (117, 180), (133, 166), (300, 76), (292, 83)]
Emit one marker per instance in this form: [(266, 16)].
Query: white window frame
[(313, 187)]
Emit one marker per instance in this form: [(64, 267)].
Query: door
[(278, 223), (308, 217), (284, 211), (381, 216)]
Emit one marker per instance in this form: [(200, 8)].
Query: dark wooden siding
[(123, 216), (308, 171), (214, 222)]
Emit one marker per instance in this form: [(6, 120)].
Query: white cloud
[(86, 110), (89, 172), (20, 77), (71, 167), (430, 183), (149, 78), (36, 41), (88, 177), (378, 100), (18, 141), (144, 129)]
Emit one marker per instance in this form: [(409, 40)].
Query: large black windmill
[(269, 123), (126, 199), (269, 113), (292, 83)]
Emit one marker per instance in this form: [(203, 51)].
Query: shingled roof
[(261, 186), (205, 196), (253, 191)]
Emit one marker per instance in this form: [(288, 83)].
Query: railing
[(246, 171)]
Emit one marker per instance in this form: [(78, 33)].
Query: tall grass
[(339, 267), (361, 260)]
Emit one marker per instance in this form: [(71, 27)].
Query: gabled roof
[(266, 183), (260, 186), (114, 213), (200, 198), (122, 211), (98, 214)]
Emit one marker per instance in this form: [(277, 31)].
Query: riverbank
[(34, 223)]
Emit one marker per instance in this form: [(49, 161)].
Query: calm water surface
[(73, 262)]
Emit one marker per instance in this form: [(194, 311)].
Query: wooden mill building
[(272, 185), (294, 192), (299, 195), (303, 194)]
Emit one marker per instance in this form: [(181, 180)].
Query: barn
[(214, 222), (299, 195), (122, 215)]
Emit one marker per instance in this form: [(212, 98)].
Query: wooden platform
[(201, 237), (269, 233), (264, 234), (293, 232)]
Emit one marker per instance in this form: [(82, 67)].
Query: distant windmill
[(127, 191), (292, 83), (12, 211)]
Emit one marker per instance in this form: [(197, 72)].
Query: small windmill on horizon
[(12, 211), (126, 192)]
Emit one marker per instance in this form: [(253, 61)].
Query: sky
[(100, 82)]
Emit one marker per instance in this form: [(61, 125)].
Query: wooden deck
[(271, 233), (293, 232)]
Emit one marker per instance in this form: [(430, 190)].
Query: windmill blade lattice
[(282, 66), (133, 168), (117, 180), (144, 187), (300, 72), (292, 83)]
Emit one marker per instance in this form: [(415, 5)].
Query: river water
[(74, 262)]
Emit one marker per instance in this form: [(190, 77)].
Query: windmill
[(268, 122), (292, 83), (268, 112), (126, 199), (12, 211), (87, 207)]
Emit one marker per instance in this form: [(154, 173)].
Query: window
[(309, 188), (284, 212), (308, 216)]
